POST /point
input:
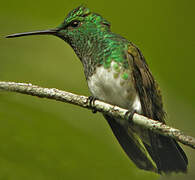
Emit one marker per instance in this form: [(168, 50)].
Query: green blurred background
[(43, 139)]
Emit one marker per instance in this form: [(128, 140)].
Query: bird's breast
[(114, 85)]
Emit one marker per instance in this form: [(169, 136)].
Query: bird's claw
[(129, 115), (91, 100)]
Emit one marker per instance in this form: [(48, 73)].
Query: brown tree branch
[(115, 111)]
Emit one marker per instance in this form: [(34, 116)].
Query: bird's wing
[(166, 152), (145, 85)]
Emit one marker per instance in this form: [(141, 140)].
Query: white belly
[(109, 86)]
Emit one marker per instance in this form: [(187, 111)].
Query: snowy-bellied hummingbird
[(117, 73)]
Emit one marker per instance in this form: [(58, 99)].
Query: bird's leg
[(91, 100)]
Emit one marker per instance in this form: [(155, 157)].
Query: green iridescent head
[(79, 23)]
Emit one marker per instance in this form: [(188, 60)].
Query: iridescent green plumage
[(117, 73), (93, 41)]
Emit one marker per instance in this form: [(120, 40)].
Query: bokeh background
[(43, 139)]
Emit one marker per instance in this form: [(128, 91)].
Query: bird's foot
[(91, 100), (129, 115)]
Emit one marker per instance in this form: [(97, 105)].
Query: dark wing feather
[(167, 154), (146, 86)]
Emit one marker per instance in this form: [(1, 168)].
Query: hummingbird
[(117, 73)]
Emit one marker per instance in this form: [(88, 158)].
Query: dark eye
[(75, 23)]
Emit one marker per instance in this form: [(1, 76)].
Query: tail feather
[(162, 155), (167, 154), (132, 146)]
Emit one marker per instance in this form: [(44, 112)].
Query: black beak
[(45, 32)]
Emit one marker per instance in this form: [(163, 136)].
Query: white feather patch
[(113, 89)]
